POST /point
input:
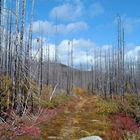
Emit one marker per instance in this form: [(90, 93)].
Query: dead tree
[(6, 43), (92, 77), (20, 64), (48, 64), (120, 58), (55, 72), (0, 56), (68, 70), (15, 82), (138, 73), (29, 56), (9, 47), (95, 69), (72, 68), (87, 74), (41, 66)]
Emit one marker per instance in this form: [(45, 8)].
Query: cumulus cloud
[(81, 47), (133, 53), (66, 11), (73, 10), (49, 27)]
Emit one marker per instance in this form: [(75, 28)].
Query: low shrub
[(131, 106), (31, 131), (122, 122), (56, 101), (107, 106)]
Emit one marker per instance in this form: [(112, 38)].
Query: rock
[(91, 138)]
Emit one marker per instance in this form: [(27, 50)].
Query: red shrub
[(31, 131), (124, 122), (121, 124)]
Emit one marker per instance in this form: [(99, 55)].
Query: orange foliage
[(79, 91)]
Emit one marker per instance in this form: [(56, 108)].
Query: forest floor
[(85, 117), (80, 117)]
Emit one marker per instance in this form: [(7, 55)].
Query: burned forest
[(43, 97)]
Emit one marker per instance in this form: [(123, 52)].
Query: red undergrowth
[(32, 131), (123, 123)]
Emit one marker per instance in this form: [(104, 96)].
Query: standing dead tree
[(48, 64), (29, 55), (20, 60), (110, 72), (15, 82), (41, 68), (0, 54), (68, 70), (120, 58)]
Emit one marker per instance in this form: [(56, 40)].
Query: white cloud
[(133, 53), (106, 47), (44, 27), (72, 10), (36, 48), (82, 47), (78, 26), (66, 11), (96, 9)]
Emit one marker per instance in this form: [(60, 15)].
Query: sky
[(89, 24)]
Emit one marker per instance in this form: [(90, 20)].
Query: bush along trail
[(85, 116)]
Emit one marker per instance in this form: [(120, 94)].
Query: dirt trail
[(77, 120), (68, 129)]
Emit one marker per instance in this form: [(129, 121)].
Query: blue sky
[(89, 23)]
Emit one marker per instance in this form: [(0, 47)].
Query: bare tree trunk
[(0, 56), (29, 56), (41, 65), (20, 64), (9, 47), (72, 70), (92, 77), (6, 44), (15, 82), (68, 70), (48, 64)]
